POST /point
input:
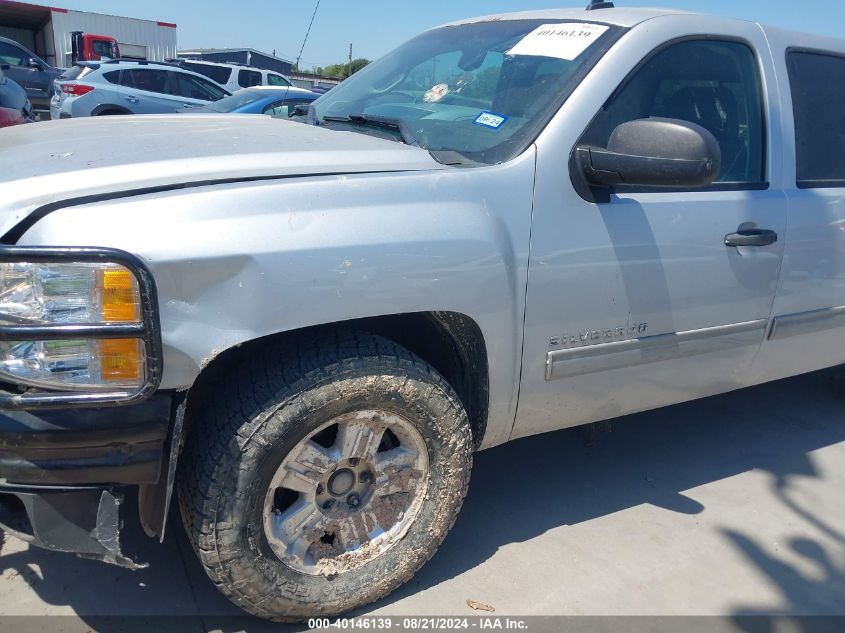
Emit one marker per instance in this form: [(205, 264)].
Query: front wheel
[(317, 483)]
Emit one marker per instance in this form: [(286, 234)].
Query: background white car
[(233, 77)]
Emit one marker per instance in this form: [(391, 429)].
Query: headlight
[(57, 294)]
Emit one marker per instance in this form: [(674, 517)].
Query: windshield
[(483, 90), (240, 98)]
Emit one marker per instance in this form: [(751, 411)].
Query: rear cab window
[(817, 83)]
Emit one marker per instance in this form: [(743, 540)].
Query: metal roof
[(202, 51), (23, 15)]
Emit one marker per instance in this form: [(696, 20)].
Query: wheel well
[(109, 110), (450, 342)]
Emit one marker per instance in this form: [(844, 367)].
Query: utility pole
[(350, 61)]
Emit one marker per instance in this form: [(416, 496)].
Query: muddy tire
[(318, 480)]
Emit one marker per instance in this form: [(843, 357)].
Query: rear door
[(147, 91), (640, 302), (808, 329)]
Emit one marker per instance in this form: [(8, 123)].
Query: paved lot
[(731, 505)]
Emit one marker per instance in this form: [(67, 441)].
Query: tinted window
[(248, 78), (277, 80), (112, 77), (197, 88), (12, 55), (818, 88), (713, 84), (220, 74), (147, 79)]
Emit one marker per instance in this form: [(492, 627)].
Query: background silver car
[(129, 87)]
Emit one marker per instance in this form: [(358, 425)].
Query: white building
[(47, 32)]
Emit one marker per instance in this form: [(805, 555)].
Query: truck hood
[(48, 163)]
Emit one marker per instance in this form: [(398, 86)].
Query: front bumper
[(111, 446), (64, 454), (83, 521), (61, 472)]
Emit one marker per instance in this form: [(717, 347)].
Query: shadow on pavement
[(821, 592), (521, 490), (526, 487)]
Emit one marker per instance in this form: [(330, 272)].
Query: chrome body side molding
[(807, 322), (589, 359)]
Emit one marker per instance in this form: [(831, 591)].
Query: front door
[(33, 79), (639, 302)]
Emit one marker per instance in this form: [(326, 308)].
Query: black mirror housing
[(651, 152)]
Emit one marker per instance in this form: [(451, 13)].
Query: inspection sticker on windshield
[(564, 41), (488, 119)]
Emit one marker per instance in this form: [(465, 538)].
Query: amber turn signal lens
[(122, 360), (121, 301)]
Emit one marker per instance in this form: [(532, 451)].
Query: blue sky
[(374, 27)]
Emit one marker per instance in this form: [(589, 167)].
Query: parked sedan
[(276, 102), (15, 107)]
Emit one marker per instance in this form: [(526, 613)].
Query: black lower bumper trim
[(85, 522), (106, 446)]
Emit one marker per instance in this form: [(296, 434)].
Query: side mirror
[(35, 63), (5, 67), (648, 153)]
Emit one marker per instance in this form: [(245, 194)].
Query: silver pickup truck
[(303, 330)]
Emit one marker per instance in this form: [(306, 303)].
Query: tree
[(340, 71)]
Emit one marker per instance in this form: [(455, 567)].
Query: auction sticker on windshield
[(563, 41)]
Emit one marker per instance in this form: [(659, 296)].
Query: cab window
[(12, 55), (816, 80), (102, 48), (715, 84)]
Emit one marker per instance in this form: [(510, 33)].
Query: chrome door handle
[(751, 237), (131, 99)]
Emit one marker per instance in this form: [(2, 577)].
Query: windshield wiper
[(377, 121)]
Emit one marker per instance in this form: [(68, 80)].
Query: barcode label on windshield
[(563, 41)]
